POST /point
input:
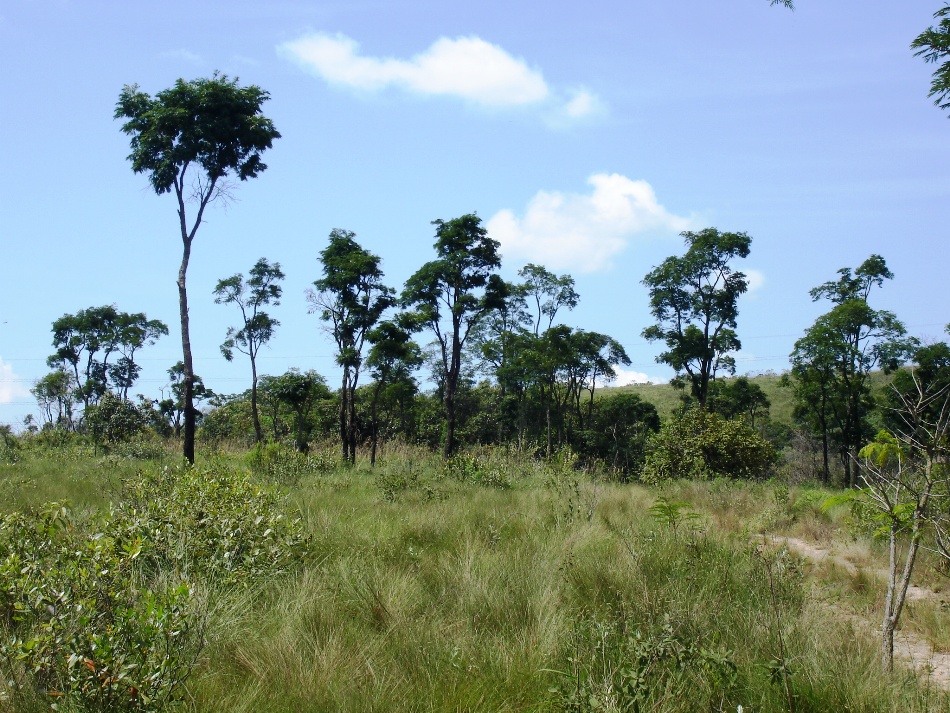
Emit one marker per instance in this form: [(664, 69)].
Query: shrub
[(698, 444), (9, 445), (475, 471), (114, 420), (207, 523), (80, 627), (286, 466)]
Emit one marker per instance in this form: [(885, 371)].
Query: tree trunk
[(344, 393), (374, 425), (188, 375), (448, 447), (255, 416)]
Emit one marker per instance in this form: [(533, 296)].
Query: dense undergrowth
[(492, 582)]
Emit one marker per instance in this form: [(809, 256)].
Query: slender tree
[(392, 359), (189, 139), (262, 288), (694, 299), (833, 361), (548, 292), (451, 295), (350, 298)]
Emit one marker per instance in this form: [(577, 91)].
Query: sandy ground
[(910, 649)]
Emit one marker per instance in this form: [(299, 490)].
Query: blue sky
[(587, 136)]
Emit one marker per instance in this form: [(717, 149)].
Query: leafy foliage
[(694, 299), (933, 44), (114, 420), (81, 626), (209, 524), (277, 463), (700, 445)]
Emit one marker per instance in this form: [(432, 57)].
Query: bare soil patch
[(910, 649)]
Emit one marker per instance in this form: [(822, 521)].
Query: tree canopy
[(694, 299), (215, 127), (452, 294), (933, 44)]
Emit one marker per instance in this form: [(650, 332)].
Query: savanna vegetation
[(501, 534)]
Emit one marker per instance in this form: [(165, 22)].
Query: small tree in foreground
[(701, 445), (906, 481)]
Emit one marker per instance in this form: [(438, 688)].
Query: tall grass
[(433, 588)]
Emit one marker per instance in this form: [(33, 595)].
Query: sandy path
[(909, 648)]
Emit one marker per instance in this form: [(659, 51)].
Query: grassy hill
[(667, 399)]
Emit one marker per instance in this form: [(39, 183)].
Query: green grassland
[(503, 583)]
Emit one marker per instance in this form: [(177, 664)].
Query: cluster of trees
[(192, 138), (95, 355)]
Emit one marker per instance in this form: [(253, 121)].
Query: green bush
[(9, 445), (79, 626), (114, 420), (473, 470), (207, 523), (700, 445), (279, 464)]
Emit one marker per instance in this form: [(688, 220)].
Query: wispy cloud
[(584, 231), (11, 386), (185, 55), (626, 377), (755, 279), (467, 68)]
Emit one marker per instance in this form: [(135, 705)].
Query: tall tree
[(452, 294), (189, 139), (262, 288), (350, 298), (694, 299), (933, 44), (832, 362)]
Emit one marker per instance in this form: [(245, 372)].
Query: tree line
[(191, 138)]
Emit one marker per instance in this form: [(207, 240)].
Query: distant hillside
[(666, 398)]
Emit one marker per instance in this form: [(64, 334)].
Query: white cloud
[(183, 54), (625, 378), (583, 231), (755, 279), (11, 387), (467, 68)]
